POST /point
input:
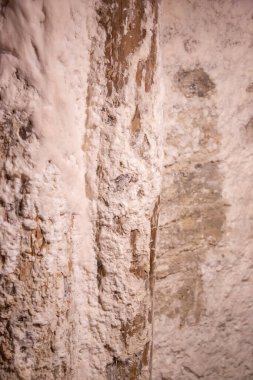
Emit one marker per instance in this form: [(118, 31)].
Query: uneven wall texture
[(123, 184), (204, 290), (43, 74), (80, 175), (81, 146)]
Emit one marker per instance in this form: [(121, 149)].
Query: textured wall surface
[(81, 147), (43, 50), (80, 178), (204, 290), (123, 184)]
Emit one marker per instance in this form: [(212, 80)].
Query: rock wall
[(80, 178), (81, 147), (123, 183), (203, 299), (43, 68)]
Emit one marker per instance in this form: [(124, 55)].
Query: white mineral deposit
[(126, 202)]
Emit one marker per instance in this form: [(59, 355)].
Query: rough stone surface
[(42, 92), (81, 146), (123, 146), (80, 177), (203, 299)]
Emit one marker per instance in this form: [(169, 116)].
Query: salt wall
[(93, 95), (204, 289), (80, 154)]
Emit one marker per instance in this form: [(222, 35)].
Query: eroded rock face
[(203, 298), (80, 164), (37, 221), (81, 146), (123, 133)]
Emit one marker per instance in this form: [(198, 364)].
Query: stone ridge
[(124, 188)]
